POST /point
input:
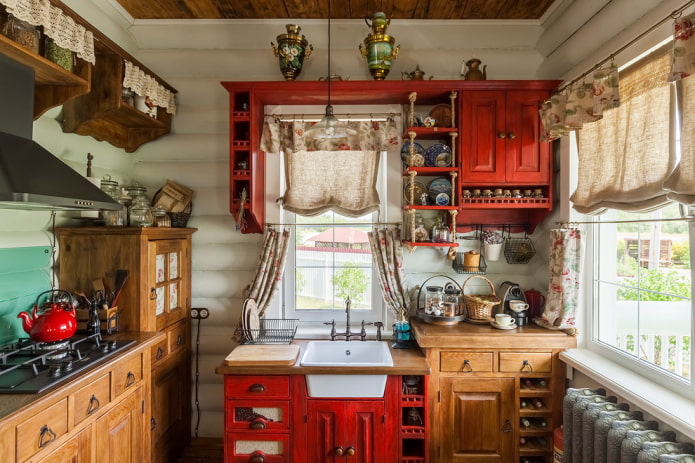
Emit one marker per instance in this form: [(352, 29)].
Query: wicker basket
[(478, 306), (180, 219)]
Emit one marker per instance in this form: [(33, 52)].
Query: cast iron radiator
[(598, 429)]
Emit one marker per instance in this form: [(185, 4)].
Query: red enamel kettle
[(535, 301), (55, 321)]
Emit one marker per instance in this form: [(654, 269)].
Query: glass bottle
[(22, 32), (420, 233), (440, 232)]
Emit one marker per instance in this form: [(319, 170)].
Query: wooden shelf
[(447, 244), (429, 133), (54, 85)]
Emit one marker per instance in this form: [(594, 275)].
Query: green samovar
[(378, 47)]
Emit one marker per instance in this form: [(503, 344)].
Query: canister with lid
[(433, 300), (112, 218), (453, 294), (22, 32)]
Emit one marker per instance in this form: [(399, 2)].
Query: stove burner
[(28, 367)]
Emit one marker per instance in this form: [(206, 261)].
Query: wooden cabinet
[(155, 298), (492, 397), (479, 415), (118, 433), (78, 449)]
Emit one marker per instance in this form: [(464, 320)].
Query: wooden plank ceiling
[(340, 9)]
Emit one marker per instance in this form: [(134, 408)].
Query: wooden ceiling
[(340, 9)]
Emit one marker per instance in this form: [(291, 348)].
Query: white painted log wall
[(195, 58)]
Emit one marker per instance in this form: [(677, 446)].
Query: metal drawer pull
[(46, 431), (93, 405), (257, 457), (153, 294), (160, 353), (526, 367), (339, 451), (350, 451), (507, 426), (130, 379), (467, 368), (501, 135), (179, 340), (258, 424), (153, 424), (257, 388), (511, 135)]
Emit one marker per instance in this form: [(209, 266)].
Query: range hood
[(31, 178)]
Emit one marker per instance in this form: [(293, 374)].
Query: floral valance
[(144, 84), (60, 27)]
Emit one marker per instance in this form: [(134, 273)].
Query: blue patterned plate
[(405, 152), (438, 155), (439, 185)]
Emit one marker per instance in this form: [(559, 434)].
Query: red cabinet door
[(483, 137), (527, 159), (347, 431)]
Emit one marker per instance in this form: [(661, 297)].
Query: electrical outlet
[(200, 313)]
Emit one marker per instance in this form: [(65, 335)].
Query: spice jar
[(22, 32), (63, 57), (433, 300)]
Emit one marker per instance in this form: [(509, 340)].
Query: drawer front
[(41, 430), (251, 448), (178, 337), (126, 375), (526, 362), (246, 387), (92, 398), (258, 416), (466, 362), (159, 351)]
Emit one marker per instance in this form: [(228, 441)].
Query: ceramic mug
[(502, 319), (517, 305)]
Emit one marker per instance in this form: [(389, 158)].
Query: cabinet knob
[(47, 436), (467, 368), (179, 340), (350, 451), (153, 294), (153, 424), (257, 458), (93, 405), (526, 367), (511, 135), (501, 135), (257, 388), (339, 452), (258, 423)]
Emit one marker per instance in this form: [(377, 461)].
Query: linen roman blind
[(625, 157)]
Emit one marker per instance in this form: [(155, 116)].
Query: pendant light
[(329, 127)]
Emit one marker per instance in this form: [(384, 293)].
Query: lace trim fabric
[(56, 24), (145, 85)]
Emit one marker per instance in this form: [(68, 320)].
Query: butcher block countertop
[(405, 362), (466, 335)]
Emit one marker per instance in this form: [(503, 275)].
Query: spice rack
[(411, 172)]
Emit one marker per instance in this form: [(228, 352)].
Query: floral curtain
[(683, 54), (387, 255), (566, 253), (330, 174)]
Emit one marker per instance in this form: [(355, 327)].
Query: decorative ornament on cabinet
[(291, 51), (377, 48), (474, 72)]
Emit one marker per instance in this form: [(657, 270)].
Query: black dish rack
[(271, 331)]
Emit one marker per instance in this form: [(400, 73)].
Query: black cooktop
[(29, 367)]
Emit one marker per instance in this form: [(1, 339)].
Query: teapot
[(55, 322), (473, 72), (417, 74)]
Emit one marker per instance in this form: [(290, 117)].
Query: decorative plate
[(442, 199), (439, 185), (418, 150), (252, 320), (442, 114), (438, 155), (419, 190)]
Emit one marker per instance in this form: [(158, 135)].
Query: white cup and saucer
[(517, 305), (504, 321)]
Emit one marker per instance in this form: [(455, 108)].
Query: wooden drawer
[(243, 447), (178, 336), (526, 362), (159, 351), (245, 387), (257, 416), (41, 430), (92, 398), (466, 362), (126, 375)]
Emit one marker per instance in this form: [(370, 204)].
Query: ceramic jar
[(291, 51), (377, 48)]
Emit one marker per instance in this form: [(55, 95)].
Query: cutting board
[(263, 355)]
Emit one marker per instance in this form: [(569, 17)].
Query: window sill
[(664, 405)]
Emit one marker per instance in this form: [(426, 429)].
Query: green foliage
[(654, 284), (350, 281), (680, 254)]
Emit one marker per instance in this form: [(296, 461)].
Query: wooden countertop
[(466, 335), (405, 362), (14, 403)]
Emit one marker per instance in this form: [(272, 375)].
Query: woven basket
[(180, 219), (478, 306)]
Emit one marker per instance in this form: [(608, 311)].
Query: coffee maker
[(510, 291)]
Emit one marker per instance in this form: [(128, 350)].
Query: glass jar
[(140, 216), (453, 295), (420, 233), (63, 57), (433, 300), (112, 218), (22, 32), (161, 217), (138, 195), (440, 232)]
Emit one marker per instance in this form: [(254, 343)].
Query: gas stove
[(29, 367)]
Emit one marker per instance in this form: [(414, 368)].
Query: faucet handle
[(363, 333), (379, 326)]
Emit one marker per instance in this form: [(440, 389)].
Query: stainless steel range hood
[(31, 178)]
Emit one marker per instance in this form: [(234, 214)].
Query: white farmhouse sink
[(345, 355)]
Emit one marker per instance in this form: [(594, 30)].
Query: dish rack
[(271, 331)]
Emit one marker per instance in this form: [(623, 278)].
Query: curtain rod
[(330, 224), (347, 116), (675, 14)]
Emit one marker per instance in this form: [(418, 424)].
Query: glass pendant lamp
[(329, 127)]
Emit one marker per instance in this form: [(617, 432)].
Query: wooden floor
[(203, 450)]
